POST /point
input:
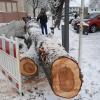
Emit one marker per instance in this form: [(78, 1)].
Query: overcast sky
[(78, 3)]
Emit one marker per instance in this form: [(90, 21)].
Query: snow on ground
[(90, 63), (39, 89), (2, 24)]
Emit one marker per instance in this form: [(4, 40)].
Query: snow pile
[(2, 24)]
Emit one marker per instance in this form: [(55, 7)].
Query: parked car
[(93, 20)]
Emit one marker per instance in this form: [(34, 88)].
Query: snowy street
[(39, 88)]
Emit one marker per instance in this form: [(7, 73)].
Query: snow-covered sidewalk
[(90, 63)]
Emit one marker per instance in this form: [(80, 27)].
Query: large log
[(28, 62), (63, 71)]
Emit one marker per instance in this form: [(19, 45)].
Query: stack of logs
[(62, 70)]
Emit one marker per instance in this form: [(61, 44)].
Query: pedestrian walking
[(43, 21), (76, 15)]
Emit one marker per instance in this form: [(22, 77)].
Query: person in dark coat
[(43, 20), (76, 15)]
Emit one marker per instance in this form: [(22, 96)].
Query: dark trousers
[(44, 27)]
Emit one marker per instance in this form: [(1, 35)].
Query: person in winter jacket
[(76, 15), (43, 21)]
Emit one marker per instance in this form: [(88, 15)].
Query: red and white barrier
[(9, 61)]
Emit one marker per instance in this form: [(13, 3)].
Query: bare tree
[(56, 9), (53, 5), (34, 4), (59, 13)]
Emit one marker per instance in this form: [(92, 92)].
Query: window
[(9, 7), (14, 6), (2, 7)]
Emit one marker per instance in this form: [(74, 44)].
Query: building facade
[(94, 6), (12, 10), (74, 9)]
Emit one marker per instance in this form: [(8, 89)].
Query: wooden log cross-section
[(63, 71), (28, 62)]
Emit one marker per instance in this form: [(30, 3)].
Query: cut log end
[(28, 67), (66, 79)]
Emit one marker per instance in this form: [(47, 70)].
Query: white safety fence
[(9, 61)]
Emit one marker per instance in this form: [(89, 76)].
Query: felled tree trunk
[(28, 62), (62, 70)]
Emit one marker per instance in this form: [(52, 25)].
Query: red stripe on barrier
[(1, 44), (17, 85), (7, 47), (14, 50)]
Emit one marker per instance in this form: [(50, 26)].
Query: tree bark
[(56, 9), (58, 14), (34, 12)]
